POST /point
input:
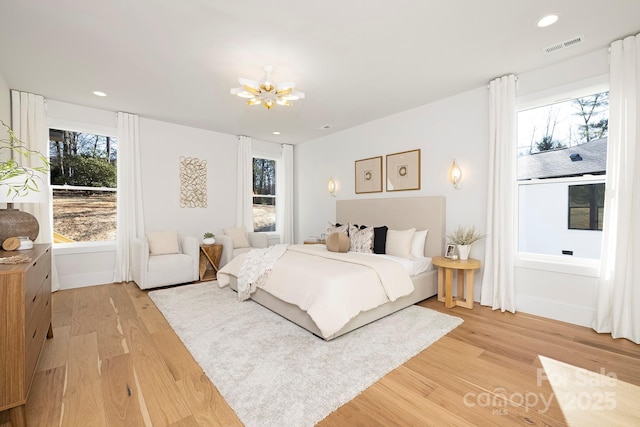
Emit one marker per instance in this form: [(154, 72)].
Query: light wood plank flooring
[(115, 361)]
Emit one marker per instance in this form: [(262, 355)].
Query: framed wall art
[(403, 171), (369, 175)]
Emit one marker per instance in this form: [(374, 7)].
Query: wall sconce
[(332, 187), (455, 174)]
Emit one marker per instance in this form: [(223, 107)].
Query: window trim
[(279, 197), (557, 263), (82, 247)]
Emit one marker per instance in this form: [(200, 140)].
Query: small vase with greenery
[(463, 237), (208, 238)]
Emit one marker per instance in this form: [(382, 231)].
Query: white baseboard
[(577, 315), (83, 280)]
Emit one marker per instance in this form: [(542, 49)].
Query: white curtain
[(29, 123), (618, 306), (287, 188), (498, 287), (130, 213), (244, 210)]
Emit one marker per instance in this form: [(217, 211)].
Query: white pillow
[(417, 243), (399, 243), (163, 242), (238, 236)]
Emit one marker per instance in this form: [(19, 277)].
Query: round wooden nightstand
[(465, 270)]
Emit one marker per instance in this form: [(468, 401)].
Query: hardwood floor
[(115, 361)]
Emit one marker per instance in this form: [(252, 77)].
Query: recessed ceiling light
[(275, 132), (547, 20), (98, 93)]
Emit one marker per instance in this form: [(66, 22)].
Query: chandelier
[(265, 92)]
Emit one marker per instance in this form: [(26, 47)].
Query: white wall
[(162, 145), (456, 127)]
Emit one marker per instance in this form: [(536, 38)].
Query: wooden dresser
[(25, 321)]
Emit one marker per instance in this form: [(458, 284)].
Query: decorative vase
[(209, 241), (463, 252)]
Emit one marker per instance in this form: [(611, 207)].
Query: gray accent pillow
[(361, 239)]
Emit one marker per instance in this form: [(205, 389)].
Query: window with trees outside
[(264, 194), (84, 182), (561, 169)]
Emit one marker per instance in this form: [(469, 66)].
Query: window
[(586, 206), (84, 182), (561, 170), (264, 194)]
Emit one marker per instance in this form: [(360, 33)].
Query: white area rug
[(274, 373)]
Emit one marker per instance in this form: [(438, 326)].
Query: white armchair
[(165, 258), (236, 241)]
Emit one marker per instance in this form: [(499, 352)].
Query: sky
[(533, 122)]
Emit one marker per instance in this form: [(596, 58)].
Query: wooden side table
[(209, 261), (465, 270)]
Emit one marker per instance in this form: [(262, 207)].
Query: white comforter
[(331, 287)]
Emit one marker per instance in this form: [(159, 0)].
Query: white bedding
[(413, 267), (332, 288)]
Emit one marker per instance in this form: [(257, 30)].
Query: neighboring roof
[(558, 163)]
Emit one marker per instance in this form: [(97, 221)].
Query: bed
[(396, 213)]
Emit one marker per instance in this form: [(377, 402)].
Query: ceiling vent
[(563, 45)]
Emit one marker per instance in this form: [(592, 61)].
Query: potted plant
[(19, 184), (20, 180), (463, 238), (208, 238)]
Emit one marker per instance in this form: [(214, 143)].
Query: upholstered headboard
[(400, 214)]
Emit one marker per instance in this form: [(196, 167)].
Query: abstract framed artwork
[(369, 175), (193, 182), (403, 171)]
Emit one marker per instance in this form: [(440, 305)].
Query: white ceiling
[(356, 61)]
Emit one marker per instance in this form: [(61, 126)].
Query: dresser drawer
[(33, 317), (37, 272), (36, 341), (45, 317)]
